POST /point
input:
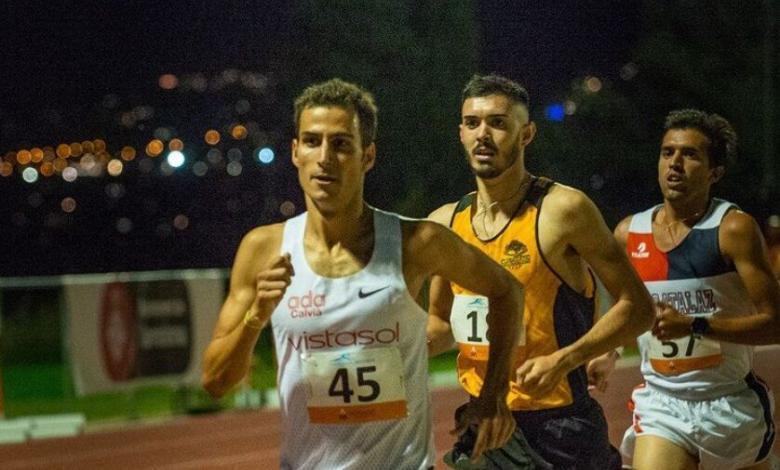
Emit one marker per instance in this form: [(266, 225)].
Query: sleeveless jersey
[(695, 279), (352, 361), (555, 315)]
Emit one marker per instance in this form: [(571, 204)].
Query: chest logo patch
[(515, 255)]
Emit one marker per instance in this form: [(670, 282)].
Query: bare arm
[(741, 242), (438, 251), (585, 232), (439, 332), (258, 280)]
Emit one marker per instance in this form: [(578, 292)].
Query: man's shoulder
[(566, 200), (261, 237), (443, 214)]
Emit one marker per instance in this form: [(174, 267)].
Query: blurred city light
[(70, 174), (555, 112), (115, 167), (212, 137), (200, 168), (30, 175), (265, 155), (238, 132), (68, 205), (234, 168), (168, 81), (175, 159), (592, 84)]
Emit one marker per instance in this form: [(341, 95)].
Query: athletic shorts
[(568, 438), (728, 432)]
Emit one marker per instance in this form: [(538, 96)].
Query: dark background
[(80, 71)]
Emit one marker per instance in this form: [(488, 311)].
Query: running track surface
[(244, 440)]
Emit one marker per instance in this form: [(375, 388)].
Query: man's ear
[(293, 154), (369, 157), (528, 133), (717, 173)]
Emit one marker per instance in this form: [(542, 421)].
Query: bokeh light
[(592, 84), (30, 175), (175, 144), (124, 225), (200, 168), (115, 167), (36, 155), (63, 151), (212, 137), (287, 209), (238, 132), (68, 205), (265, 155), (181, 222), (154, 147), (234, 168), (555, 112), (127, 153), (23, 157), (70, 174), (168, 81), (176, 159)]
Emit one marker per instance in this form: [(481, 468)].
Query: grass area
[(48, 389)]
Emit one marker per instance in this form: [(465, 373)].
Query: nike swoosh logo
[(363, 295)]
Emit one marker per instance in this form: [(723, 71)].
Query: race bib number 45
[(468, 319), (349, 387), (672, 357)]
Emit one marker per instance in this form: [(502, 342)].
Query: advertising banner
[(126, 332)]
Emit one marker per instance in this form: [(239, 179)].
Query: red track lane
[(244, 440)]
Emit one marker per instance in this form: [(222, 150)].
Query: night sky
[(69, 69)]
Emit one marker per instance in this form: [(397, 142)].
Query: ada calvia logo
[(310, 304), (641, 251)]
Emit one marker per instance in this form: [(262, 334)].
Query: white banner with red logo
[(127, 330)]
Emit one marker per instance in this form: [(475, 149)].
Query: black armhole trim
[(464, 203)]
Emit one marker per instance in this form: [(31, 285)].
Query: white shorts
[(728, 432)]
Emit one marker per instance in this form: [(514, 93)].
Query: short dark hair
[(723, 138), (494, 84), (337, 92)]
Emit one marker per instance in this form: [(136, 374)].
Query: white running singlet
[(353, 362)]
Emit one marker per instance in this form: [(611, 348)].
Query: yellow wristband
[(251, 321)]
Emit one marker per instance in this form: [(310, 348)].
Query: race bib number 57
[(468, 319), (349, 387), (672, 357)]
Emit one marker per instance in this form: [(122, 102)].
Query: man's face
[(493, 131), (329, 155), (684, 171)]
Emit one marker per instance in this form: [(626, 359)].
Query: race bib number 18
[(672, 357), (348, 387), (468, 319)]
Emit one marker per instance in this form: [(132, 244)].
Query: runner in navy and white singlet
[(705, 263)]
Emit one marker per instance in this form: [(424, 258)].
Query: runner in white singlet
[(338, 285)]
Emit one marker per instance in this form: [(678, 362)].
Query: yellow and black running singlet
[(555, 315)]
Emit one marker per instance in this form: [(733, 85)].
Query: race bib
[(468, 319), (350, 387), (675, 356)]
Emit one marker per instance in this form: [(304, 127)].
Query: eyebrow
[(489, 115), (337, 134)]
